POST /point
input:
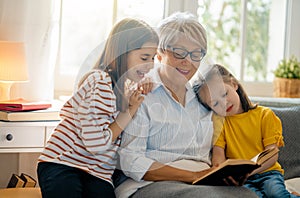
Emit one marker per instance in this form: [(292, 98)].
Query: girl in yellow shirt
[(246, 130)]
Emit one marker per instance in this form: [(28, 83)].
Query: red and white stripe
[(82, 139)]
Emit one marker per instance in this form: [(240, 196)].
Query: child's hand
[(135, 100), (145, 85), (129, 88), (230, 181)]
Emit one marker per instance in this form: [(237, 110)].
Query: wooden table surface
[(20, 193)]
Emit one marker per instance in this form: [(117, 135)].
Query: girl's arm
[(218, 155), (124, 118), (268, 163), (135, 100)]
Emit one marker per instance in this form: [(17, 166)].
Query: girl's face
[(141, 61), (175, 69), (222, 97)]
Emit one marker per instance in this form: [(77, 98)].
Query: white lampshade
[(13, 66)]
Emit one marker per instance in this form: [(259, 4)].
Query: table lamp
[(13, 67)]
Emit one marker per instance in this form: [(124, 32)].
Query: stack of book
[(22, 110), (22, 181)]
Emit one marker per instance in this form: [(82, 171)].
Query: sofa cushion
[(289, 156)]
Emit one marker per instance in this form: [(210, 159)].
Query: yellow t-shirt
[(245, 135)]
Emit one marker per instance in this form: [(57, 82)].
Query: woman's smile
[(182, 71)]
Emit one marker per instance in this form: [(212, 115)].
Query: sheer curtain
[(36, 23)]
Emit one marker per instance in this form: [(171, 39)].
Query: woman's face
[(176, 69), (141, 61)]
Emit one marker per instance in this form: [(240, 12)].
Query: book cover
[(23, 105), (50, 114), (15, 182), (29, 181), (235, 168)]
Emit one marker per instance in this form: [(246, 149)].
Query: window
[(85, 25), (245, 36)]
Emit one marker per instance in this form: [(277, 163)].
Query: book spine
[(15, 182), (29, 181)]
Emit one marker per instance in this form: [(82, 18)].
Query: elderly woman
[(167, 145)]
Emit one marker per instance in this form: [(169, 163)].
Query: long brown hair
[(227, 77), (127, 35)]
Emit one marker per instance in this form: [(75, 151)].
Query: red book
[(23, 105)]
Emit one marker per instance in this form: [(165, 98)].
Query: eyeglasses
[(181, 53)]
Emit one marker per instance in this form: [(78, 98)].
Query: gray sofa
[(288, 110)]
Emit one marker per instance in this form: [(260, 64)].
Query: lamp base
[(5, 90)]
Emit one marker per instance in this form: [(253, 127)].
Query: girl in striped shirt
[(80, 157)]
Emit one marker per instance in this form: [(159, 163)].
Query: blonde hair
[(181, 23)]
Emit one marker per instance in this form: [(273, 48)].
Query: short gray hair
[(183, 23)]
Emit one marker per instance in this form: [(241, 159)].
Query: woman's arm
[(161, 172)]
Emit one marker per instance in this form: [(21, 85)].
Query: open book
[(235, 168)]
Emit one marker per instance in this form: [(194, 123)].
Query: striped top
[(82, 139)]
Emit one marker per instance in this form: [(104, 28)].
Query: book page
[(265, 155), (254, 159)]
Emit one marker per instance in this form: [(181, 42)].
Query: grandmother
[(167, 145)]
